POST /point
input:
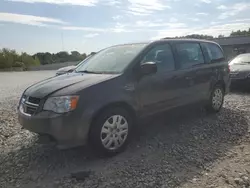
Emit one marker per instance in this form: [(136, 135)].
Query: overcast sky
[(89, 25)]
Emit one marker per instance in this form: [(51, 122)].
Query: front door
[(159, 91)]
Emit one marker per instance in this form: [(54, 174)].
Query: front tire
[(216, 99), (111, 130)]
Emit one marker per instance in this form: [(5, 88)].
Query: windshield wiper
[(89, 72)]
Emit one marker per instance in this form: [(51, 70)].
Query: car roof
[(187, 40), (167, 40)]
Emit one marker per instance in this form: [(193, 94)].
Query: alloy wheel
[(114, 132), (217, 98)]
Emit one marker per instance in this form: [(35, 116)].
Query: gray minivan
[(101, 100)]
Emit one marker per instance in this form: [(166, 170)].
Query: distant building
[(233, 46)]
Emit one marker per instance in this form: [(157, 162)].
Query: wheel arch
[(118, 104), (220, 83)]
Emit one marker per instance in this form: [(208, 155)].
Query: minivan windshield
[(241, 59), (84, 61), (112, 60)]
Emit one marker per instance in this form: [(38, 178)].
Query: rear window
[(212, 52)]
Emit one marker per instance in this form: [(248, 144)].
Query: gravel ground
[(188, 149)]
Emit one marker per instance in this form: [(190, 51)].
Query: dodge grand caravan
[(101, 100)]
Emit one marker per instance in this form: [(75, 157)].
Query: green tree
[(10, 58), (27, 60), (7, 59), (36, 61), (194, 36), (84, 56), (240, 33), (75, 53), (92, 53)]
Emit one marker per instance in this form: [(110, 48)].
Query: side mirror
[(72, 69), (148, 68)]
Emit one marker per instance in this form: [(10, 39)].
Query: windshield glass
[(83, 61), (241, 59), (112, 60)]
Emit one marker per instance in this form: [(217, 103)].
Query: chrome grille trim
[(28, 108), (31, 104)]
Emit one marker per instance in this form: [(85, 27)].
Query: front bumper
[(68, 130), (245, 82)]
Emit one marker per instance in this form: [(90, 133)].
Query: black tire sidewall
[(97, 125)]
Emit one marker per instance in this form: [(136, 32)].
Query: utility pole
[(62, 41)]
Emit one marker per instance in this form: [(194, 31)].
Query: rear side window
[(212, 52), (189, 54)]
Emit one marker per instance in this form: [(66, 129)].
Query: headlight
[(22, 100), (61, 104)]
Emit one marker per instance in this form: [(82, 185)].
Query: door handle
[(188, 78)]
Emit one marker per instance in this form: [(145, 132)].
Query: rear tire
[(216, 99), (111, 131)]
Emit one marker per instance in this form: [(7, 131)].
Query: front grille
[(34, 100), (30, 109), (30, 105)]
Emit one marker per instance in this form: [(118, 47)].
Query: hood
[(65, 69), (51, 85)]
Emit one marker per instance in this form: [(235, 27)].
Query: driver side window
[(162, 55)]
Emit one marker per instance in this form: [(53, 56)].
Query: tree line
[(63, 56), (11, 59), (210, 37)]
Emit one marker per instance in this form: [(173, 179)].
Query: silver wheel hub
[(217, 99), (114, 132)]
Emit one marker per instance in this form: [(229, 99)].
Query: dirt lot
[(188, 149)]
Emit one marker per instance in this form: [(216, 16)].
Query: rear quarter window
[(212, 52)]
